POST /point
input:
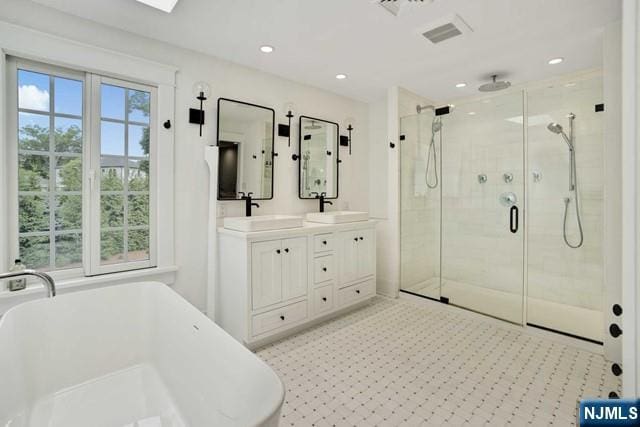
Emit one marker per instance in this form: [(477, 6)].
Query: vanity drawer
[(323, 269), (323, 299), (323, 242), (354, 293), (278, 318)]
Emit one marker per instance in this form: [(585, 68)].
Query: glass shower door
[(483, 207), (420, 204)]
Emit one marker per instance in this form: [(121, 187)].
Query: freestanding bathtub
[(135, 355)]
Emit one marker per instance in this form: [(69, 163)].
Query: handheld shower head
[(436, 126), (557, 129)]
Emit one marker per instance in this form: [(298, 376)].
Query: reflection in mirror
[(245, 141), (318, 145)]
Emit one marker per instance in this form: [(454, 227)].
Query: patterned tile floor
[(412, 363)]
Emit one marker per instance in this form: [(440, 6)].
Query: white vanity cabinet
[(273, 282)]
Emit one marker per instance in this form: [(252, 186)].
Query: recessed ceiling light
[(341, 76), (555, 61), (163, 5), (461, 85), (472, 113), (266, 49), (571, 84)]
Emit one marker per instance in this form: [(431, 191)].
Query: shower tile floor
[(411, 362)]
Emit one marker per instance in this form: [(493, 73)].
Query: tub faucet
[(248, 203), (46, 279), (320, 197)]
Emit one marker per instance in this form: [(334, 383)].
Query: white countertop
[(307, 228)]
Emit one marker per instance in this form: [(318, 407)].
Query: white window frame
[(91, 122), (95, 266)]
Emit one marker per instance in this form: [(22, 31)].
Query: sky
[(34, 94)]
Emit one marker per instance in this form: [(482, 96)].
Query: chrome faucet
[(46, 279)]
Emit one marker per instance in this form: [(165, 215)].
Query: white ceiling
[(316, 39)]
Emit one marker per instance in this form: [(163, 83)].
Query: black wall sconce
[(202, 92), (349, 128)]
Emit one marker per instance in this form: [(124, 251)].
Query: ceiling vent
[(394, 7), (445, 29)]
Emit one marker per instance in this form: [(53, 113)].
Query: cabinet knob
[(324, 242), (357, 291), (286, 250), (277, 251), (361, 238), (324, 268), (281, 317), (324, 299), (356, 239)]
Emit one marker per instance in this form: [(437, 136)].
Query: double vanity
[(281, 273)]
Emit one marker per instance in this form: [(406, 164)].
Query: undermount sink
[(337, 217), (262, 222)]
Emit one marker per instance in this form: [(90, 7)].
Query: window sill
[(161, 274)]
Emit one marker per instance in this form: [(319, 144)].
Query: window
[(84, 155)]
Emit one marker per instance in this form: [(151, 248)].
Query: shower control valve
[(507, 177), (482, 178)]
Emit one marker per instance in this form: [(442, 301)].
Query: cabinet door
[(366, 253), (266, 273), (348, 270), (294, 268)]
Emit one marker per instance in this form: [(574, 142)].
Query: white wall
[(231, 81), (612, 91)]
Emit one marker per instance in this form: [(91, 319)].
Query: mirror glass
[(245, 143), (318, 148)]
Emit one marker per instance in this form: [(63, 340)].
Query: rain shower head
[(495, 85)]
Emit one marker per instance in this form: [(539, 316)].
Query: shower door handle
[(513, 219)]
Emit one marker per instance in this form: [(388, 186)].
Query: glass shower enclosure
[(488, 219)]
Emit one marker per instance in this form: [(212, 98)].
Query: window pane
[(33, 132), (138, 210), (111, 247), (68, 174), (112, 211), (138, 141), (68, 212), (33, 172), (33, 213), (139, 106), (69, 250), (112, 102), (68, 135), (68, 96), (112, 139), (138, 176), (112, 175), (33, 90), (138, 245), (34, 251)]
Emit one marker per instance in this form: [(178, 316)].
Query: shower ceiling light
[(163, 5), (266, 49), (461, 85), (472, 113), (341, 76), (555, 61)]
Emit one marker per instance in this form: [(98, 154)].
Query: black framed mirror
[(319, 158), (245, 142)]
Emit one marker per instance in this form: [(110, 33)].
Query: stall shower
[(492, 216)]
